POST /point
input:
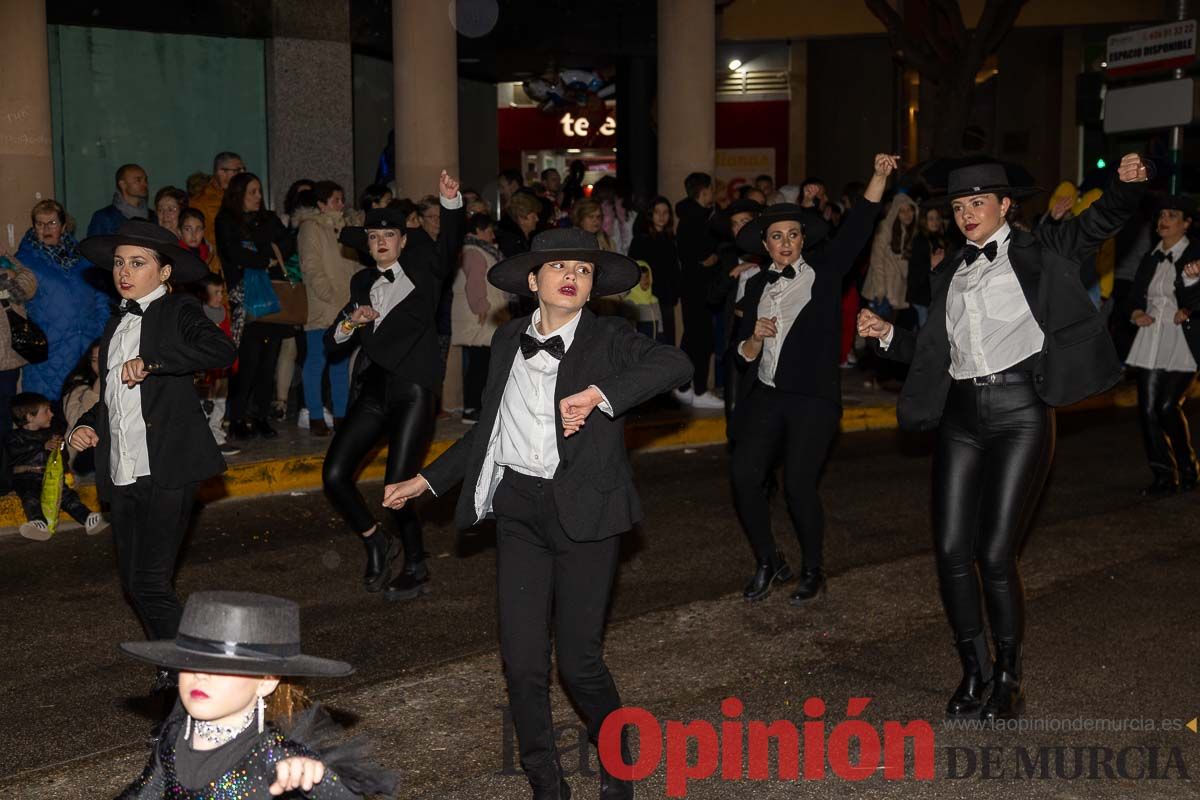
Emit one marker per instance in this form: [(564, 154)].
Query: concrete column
[(425, 70), (687, 91), (310, 110), (26, 152), (1069, 136), (797, 166)]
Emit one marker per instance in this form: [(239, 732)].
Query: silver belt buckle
[(987, 380)]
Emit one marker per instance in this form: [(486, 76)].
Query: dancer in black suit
[(790, 396), (152, 441), (560, 492), (1011, 333), (397, 377)]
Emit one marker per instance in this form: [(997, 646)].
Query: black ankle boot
[(411, 583), (812, 584), (773, 570), (1008, 696), (382, 549), (977, 674), (548, 784), (1163, 486), (612, 787)]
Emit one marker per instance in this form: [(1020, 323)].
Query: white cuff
[(1190, 281), (453, 203), (339, 334), (604, 406), (885, 342)]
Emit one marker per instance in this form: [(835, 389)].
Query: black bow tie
[(130, 307), (788, 272), (971, 252), (1160, 257), (386, 273), (553, 346)]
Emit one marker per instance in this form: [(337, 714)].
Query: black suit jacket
[(1077, 359), (1186, 297), (177, 341), (406, 342), (809, 363), (593, 486)]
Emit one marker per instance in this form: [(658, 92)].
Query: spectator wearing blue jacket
[(129, 202), (70, 310)]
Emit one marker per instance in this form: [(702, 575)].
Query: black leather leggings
[(994, 449), (1165, 431), (404, 415)]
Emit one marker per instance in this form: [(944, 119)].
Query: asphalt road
[(1112, 632)]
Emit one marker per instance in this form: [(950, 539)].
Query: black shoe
[(382, 550), (967, 700), (549, 784), (228, 449), (411, 583), (264, 429), (612, 787), (768, 573), (1162, 487), (812, 584), (1187, 483), (242, 430), (1007, 700), (470, 417)]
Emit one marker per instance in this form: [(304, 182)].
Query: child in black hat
[(238, 654), (153, 446)]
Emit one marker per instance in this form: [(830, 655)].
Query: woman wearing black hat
[(1166, 292), (734, 270), (789, 396), (1011, 333), (396, 380), (148, 413), (561, 492)]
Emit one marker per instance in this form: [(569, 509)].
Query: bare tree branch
[(916, 53), (1002, 19)]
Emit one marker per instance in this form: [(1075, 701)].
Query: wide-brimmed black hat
[(722, 221), (185, 267), (1178, 202), (614, 273), (377, 219), (814, 226), (987, 177), (237, 633)]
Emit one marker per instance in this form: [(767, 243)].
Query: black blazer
[(406, 342), (809, 363), (177, 341), (593, 486), (1186, 297), (1077, 359)]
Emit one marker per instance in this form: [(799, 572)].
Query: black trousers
[(1165, 433), (697, 335), (149, 522), (773, 425), (475, 374), (668, 322), (29, 491), (253, 387), (403, 414), (994, 450), (547, 581)]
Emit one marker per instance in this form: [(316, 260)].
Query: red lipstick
[(196, 694)]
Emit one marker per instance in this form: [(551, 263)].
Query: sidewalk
[(292, 462)]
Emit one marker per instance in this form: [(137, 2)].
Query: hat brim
[(166, 653), (185, 267), (355, 237), (1015, 192), (615, 273), (750, 237)]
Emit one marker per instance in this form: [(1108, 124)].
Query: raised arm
[(859, 224), (1078, 238), (453, 225)]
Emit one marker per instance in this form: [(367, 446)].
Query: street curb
[(303, 473)]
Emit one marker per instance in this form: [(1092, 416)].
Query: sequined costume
[(349, 774)]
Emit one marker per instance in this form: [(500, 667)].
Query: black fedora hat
[(185, 267), (722, 221), (1178, 202), (377, 219), (814, 226), (237, 633), (986, 177), (614, 273)]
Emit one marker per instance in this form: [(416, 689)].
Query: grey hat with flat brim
[(237, 633), (185, 267), (614, 273)]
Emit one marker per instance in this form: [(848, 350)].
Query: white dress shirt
[(1162, 345), (784, 300), (988, 319), (129, 455)]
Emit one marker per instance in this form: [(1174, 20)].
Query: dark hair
[(323, 190), (427, 202), (852, 191), (696, 182), (299, 195), (546, 173), (643, 225), (191, 213), (902, 235), (83, 374), (234, 200), (812, 180), (372, 195), (745, 189), (479, 222), (173, 192), (763, 177), (512, 175), (199, 288), (407, 207), (26, 404), (224, 157), (121, 170)]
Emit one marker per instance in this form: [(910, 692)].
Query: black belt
[(1005, 378)]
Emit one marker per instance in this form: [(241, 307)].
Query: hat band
[(236, 649)]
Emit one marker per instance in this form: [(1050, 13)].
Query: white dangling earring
[(187, 731), (260, 714)]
